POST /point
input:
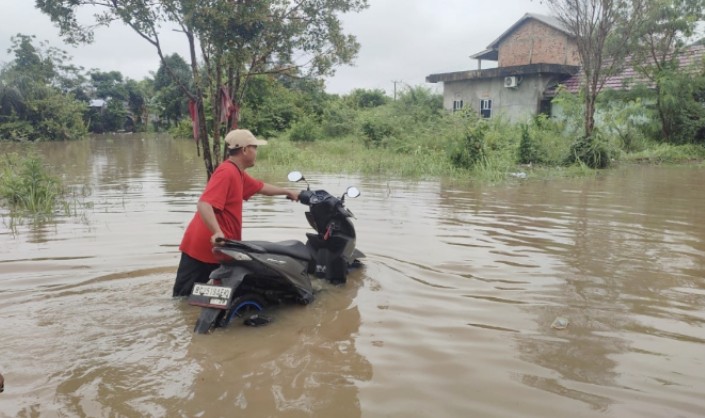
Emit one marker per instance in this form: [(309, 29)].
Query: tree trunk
[(665, 123), (589, 119), (203, 135)]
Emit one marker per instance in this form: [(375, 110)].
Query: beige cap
[(240, 138)]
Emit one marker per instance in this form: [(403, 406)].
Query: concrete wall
[(535, 42), (516, 104)]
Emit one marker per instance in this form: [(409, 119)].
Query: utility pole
[(395, 88)]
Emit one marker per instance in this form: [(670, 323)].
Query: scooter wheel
[(243, 307)]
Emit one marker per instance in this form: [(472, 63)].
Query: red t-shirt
[(225, 191)]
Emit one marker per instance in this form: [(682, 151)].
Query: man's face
[(250, 155)]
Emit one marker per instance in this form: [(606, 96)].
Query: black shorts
[(191, 271)]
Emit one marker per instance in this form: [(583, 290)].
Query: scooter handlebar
[(305, 197)]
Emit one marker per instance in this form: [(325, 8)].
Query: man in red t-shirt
[(219, 210)]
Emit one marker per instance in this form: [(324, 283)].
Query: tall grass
[(668, 153), (26, 185)]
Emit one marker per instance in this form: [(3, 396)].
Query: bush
[(592, 151), (367, 99), (529, 151), (183, 129), (376, 130), (469, 150), (16, 130), (339, 120), (304, 130)]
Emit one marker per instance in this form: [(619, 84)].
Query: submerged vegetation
[(26, 185)]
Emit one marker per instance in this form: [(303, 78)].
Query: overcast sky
[(401, 40)]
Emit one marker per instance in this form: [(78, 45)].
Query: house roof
[(691, 56), (487, 54), (491, 53)]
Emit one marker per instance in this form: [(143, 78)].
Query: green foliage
[(375, 130), (170, 80), (304, 130), (569, 109), (681, 103), (32, 104), (269, 107), (339, 119), (108, 84), (183, 129), (669, 153), (626, 117), (366, 99), (528, 148), (469, 150), (594, 151), (420, 103), (58, 118), (27, 186)]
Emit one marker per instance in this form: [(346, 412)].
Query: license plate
[(210, 296)]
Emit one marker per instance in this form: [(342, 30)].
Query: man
[(219, 210)]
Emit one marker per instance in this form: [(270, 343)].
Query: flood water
[(451, 315)]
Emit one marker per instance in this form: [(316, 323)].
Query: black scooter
[(256, 274)]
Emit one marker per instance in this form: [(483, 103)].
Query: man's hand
[(294, 196), (217, 239)]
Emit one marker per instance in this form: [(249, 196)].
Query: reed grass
[(27, 186)]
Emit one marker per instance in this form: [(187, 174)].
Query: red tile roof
[(690, 57)]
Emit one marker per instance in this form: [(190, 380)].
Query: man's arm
[(208, 216), (271, 190)]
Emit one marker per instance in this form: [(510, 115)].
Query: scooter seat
[(292, 248)]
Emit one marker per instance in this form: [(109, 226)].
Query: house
[(533, 56)]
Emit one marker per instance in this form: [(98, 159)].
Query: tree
[(138, 93), (108, 85), (661, 39), (364, 99), (35, 101), (602, 30), (170, 97), (237, 39)]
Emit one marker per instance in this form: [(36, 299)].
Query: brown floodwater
[(570, 297)]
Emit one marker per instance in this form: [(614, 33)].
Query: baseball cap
[(240, 138)]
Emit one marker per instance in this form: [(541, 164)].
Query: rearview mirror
[(295, 176), (352, 191)]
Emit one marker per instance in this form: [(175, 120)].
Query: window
[(486, 108), (457, 105), (545, 107)]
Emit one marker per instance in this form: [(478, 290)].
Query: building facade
[(533, 56)]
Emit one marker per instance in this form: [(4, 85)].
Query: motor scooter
[(254, 275)]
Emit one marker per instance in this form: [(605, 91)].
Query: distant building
[(97, 104), (533, 56)]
